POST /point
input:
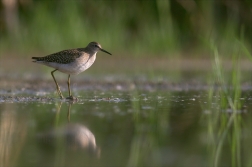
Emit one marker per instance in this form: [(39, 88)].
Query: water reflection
[(13, 132), (146, 129), (73, 137)]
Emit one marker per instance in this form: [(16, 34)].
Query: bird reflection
[(74, 136)]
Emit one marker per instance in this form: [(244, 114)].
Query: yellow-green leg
[(57, 86), (68, 84), (69, 90)]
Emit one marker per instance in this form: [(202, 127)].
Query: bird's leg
[(69, 91), (68, 84), (57, 86)]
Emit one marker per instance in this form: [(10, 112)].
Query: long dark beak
[(105, 51)]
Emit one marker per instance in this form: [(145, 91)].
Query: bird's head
[(95, 47)]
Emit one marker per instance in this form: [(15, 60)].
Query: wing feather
[(62, 57)]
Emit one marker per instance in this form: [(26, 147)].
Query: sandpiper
[(71, 62)]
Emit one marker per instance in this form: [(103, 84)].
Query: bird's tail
[(36, 59)]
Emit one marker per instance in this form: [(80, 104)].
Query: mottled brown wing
[(62, 57)]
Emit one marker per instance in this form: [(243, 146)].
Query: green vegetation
[(225, 107), (150, 28), (140, 27)]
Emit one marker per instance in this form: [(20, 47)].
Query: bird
[(71, 62)]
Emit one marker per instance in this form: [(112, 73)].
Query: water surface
[(122, 128)]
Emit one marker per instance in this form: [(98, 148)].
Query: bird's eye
[(97, 46)]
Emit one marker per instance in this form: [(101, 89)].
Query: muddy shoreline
[(16, 90)]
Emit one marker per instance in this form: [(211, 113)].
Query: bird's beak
[(105, 51)]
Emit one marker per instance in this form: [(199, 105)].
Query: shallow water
[(122, 128)]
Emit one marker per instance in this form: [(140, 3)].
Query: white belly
[(73, 68)]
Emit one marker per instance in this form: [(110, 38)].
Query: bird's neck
[(92, 57)]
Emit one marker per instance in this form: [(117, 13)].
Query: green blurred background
[(126, 27)]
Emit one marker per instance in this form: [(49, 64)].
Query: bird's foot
[(72, 98)]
